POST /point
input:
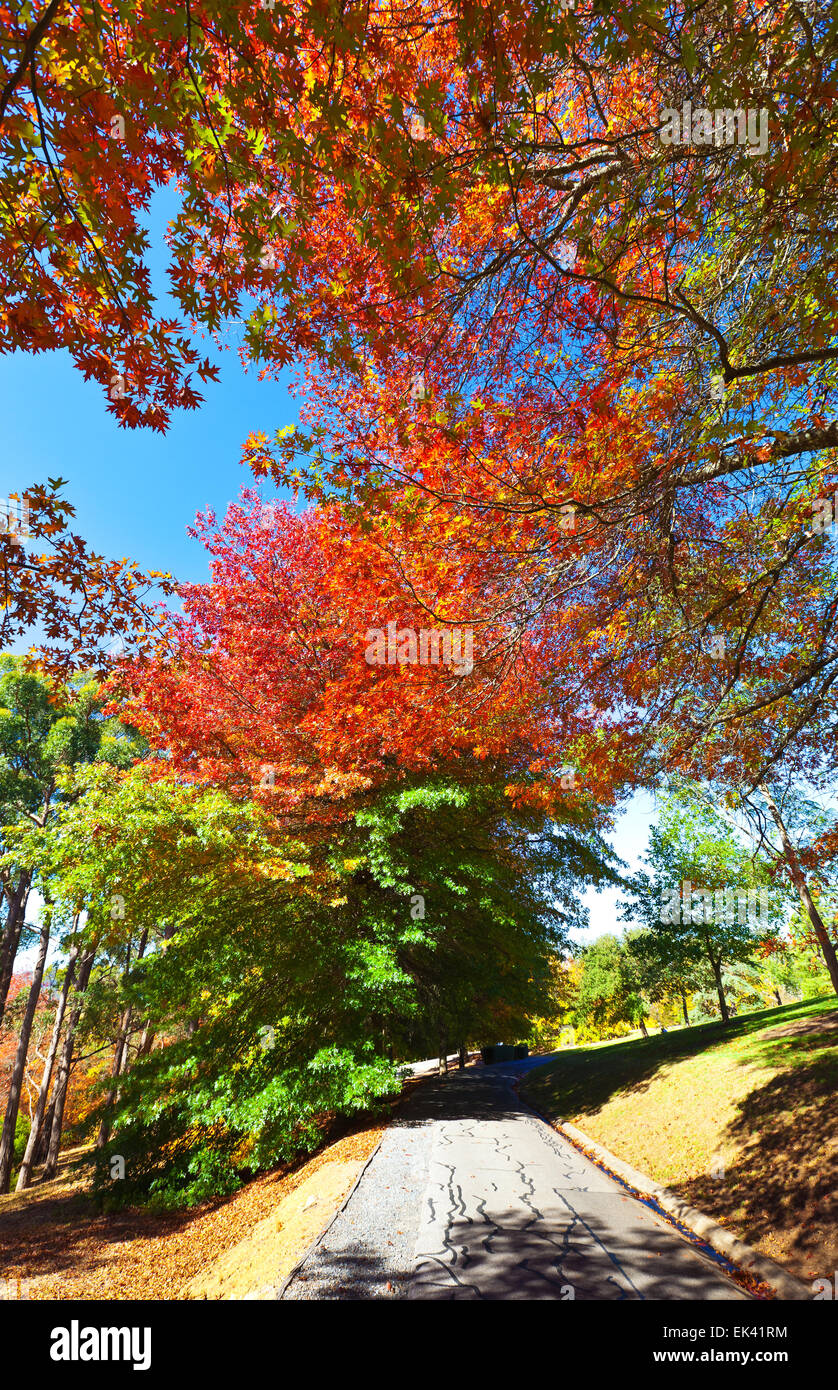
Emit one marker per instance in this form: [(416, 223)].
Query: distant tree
[(563, 993), (45, 728), (666, 967), (708, 899), (743, 985), (610, 994), (793, 967), (800, 839)]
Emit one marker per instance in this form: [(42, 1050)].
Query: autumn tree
[(560, 357), (78, 602), (43, 731), (431, 862), (126, 851), (273, 682), (301, 970), (519, 303)]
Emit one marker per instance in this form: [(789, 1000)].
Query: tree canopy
[(558, 285)]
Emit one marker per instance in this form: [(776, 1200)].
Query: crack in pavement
[(471, 1195)]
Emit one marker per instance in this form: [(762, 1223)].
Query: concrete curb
[(787, 1286)]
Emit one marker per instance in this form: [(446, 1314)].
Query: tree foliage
[(284, 978), (708, 900)]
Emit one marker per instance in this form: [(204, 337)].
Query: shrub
[(22, 1127)]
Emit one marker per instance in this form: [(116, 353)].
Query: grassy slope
[(758, 1099)]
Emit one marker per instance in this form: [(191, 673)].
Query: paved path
[(431, 1064), (472, 1196)]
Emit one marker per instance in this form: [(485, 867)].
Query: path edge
[(785, 1284), (280, 1288)]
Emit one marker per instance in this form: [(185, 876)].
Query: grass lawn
[(755, 1103)]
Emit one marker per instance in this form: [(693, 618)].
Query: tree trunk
[(684, 1007), (118, 1058), (463, 1055), (443, 1057), (720, 989), (644, 1030), (65, 1065), (799, 879), (147, 1040), (9, 941), (38, 1118), (121, 1041), (777, 996), (40, 1154), (7, 1140)]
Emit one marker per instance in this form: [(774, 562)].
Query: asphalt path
[(471, 1195)]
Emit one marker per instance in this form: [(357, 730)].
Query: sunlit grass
[(742, 1120)]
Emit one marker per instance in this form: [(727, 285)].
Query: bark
[(443, 1057), (118, 1058), (644, 1030), (785, 445), (64, 1067), (40, 1154), (10, 939), (147, 1040), (32, 1143), (7, 1140), (720, 989), (799, 879), (684, 1007), (463, 1055)]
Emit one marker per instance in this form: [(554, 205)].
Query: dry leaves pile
[(58, 1246)]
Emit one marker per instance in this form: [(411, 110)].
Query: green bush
[(22, 1128), (815, 986)]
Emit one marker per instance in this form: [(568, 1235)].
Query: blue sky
[(630, 839), (135, 491)]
